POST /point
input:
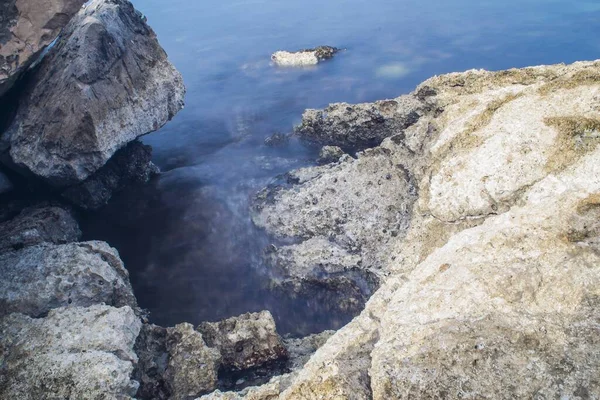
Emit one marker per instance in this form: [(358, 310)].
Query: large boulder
[(37, 225), (26, 28), (106, 82), (492, 292), (73, 353), (36, 279)]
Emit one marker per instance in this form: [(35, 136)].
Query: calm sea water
[(186, 237)]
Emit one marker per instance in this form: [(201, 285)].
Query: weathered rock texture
[(192, 367), (492, 292), (106, 82), (37, 225), (360, 126), (73, 353), (36, 279), (26, 28), (329, 154), (151, 349), (246, 341), (129, 166), (303, 57)]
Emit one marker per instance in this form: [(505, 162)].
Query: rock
[(192, 367), (26, 28), (107, 81), (303, 57), (329, 154), (360, 126), (301, 349), (344, 216), (247, 341), (37, 225), (150, 371), (5, 184), (129, 166), (277, 140), (76, 353), (39, 278), (492, 292)]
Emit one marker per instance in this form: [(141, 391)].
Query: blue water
[(187, 237)]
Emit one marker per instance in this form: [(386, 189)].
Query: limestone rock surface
[(246, 341), (76, 353), (492, 290), (36, 279), (192, 367), (26, 28), (106, 82)]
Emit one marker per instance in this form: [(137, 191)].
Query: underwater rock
[(72, 353), (26, 28), (39, 278), (304, 57), (5, 184), (106, 82), (129, 166), (246, 341), (37, 225), (277, 140)]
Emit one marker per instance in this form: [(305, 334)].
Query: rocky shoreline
[(458, 222)]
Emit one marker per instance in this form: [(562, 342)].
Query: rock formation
[(26, 28), (491, 290), (303, 57), (106, 82)]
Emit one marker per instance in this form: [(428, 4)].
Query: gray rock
[(301, 349), (26, 28), (360, 126), (73, 353), (247, 341), (329, 154), (39, 278), (277, 140), (151, 349), (304, 57), (107, 81), (5, 184), (37, 225), (129, 166), (192, 367)]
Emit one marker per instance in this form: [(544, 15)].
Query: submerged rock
[(277, 140), (192, 367), (37, 225), (129, 166), (106, 82), (5, 184), (26, 28), (39, 278), (360, 126), (244, 342), (329, 154), (304, 57), (73, 353), (301, 349)]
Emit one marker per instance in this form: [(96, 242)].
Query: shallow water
[(187, 238)]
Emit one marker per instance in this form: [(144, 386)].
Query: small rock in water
[(277, 140), (304, 57), (329, 154)]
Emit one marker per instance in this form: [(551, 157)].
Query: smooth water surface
[(186, 237)]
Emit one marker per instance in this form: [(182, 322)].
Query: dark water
[(187, 237)]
